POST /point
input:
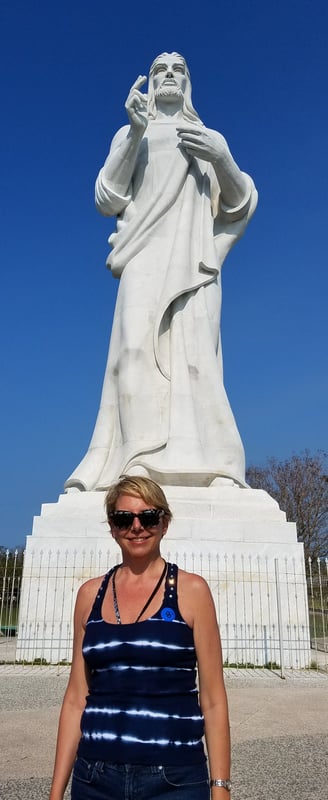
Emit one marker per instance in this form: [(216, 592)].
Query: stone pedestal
[(237, 538)]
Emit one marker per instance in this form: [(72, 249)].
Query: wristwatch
[(224, 784)]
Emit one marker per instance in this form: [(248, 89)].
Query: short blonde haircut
[(137, 486)]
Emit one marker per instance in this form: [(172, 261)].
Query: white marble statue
[(181, 203)]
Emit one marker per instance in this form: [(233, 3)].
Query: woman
[(140, 630)]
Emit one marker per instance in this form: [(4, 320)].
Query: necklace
[(116, 608)]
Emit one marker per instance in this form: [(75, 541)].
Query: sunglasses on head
[(148, 518)]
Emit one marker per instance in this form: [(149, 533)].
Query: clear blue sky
[(259, 74)]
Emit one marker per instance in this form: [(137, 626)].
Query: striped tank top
[(142, 706)]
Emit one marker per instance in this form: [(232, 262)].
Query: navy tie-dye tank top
[(142, 706)]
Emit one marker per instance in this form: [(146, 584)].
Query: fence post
[(281, 644)]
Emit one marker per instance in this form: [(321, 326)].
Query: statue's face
[(169, 76)]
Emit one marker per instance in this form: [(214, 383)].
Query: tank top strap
[(96, 608), (171, 585)]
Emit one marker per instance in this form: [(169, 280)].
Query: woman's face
[(134, 536)]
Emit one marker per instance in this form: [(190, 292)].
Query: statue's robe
[(163, 405)]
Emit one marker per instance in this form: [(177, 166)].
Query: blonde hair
[(137, 486)]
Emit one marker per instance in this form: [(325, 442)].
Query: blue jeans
[(99, 780)]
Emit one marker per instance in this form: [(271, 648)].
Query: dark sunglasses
[(148, 518)]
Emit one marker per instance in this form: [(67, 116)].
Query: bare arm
[(212, 693), (74, 699), (211, 146)]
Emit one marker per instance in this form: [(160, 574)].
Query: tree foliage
[(300, 486)]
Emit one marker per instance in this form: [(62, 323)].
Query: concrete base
[(238, 539)]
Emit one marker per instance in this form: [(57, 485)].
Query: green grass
[(9, 618)]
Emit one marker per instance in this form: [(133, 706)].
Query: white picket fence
[(271, 613)]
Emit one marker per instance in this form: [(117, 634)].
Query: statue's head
[(180, 86)]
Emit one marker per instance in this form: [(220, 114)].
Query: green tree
[(11, 568), (11, 561), (300, 486)]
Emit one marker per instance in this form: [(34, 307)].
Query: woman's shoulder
[(86, 597), (89, 589), (91, 585), (193, 587), (192, 581), (194, 596)]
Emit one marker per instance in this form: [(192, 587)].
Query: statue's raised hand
[(203, 142), (136, 105)]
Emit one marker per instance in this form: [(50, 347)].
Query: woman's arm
[(74, 699), (212, 693)]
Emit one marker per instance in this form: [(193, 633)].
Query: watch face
[(219, 782)]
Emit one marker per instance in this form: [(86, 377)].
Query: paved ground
[(279, 732)]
